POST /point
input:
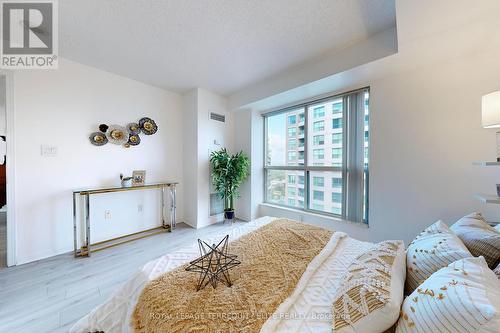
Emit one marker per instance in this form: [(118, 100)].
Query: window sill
[(306, 214)]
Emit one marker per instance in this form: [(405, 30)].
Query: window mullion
[(354, 160), (306, 157), (345, 150)]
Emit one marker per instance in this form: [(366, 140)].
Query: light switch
[(48, 151)]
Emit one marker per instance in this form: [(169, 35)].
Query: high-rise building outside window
[(336, 182), (319, 112), (337, 123), (319, 126), (317, 156), (319, 195), (337, 107), (337, 138), (336, 153), (319, 181), (318, 140)]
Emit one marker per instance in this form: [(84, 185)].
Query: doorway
[(3, 178)]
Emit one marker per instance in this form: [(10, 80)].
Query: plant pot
[(126, 182), (229, 214)]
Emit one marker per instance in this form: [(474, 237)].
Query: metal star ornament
[(214, 264)]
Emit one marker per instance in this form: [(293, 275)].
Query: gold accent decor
[(87, 247)]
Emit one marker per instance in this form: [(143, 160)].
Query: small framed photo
[(138, 177)]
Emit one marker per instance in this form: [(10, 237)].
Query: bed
[(306, 309)]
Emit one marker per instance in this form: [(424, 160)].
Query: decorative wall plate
[(103, 128), (126, 136), (98, 139), (134, 128), (148, 126), (117, 135), (134, 140)]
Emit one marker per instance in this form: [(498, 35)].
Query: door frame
[(10, 167)]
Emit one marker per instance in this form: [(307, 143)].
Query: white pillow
[(463, 297), (436, 247), (497, 227), (370, 295), (479, 237)]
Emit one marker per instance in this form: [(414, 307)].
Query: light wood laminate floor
[(51, 294)]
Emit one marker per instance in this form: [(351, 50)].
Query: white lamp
[(491, 110), (491, 115)]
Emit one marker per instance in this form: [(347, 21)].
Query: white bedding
[(308, 309)]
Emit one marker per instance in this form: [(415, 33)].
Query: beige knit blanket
[(273, 258)]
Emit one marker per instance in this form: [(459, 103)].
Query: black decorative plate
[(148, 126), (134, 128), (103, 128), (134, 140), (98, 139)]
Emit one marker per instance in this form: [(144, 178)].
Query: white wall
[(190, 156), (243, 142), (61, 108), (203, 136), (248, 138)]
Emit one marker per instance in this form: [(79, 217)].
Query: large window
[(331, 179)]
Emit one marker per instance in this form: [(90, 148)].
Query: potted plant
[(228, 173)]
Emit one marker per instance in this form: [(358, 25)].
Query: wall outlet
[(139, 208), (48, 151), (107, 215)]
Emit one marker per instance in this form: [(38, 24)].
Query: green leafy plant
[(228, 173)]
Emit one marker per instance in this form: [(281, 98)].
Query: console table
[(87, 247)]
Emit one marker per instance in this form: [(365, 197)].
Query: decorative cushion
[(479, 237), (371, 292), (497, 271), (463, 297), (497, 227), (436, 247)]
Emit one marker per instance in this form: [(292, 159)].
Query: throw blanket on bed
[(273, 259)]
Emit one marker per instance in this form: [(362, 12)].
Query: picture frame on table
[(138, 177)]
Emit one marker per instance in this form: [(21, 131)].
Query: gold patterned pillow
[(479, 237), (463, 297), (436, 247), (371, 292)]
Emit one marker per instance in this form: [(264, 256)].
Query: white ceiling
[(219, 45)]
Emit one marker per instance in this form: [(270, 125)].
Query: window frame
[(347, 126)]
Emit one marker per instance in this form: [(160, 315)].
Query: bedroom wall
[(248, 138), (61, 108), (202, 136)]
